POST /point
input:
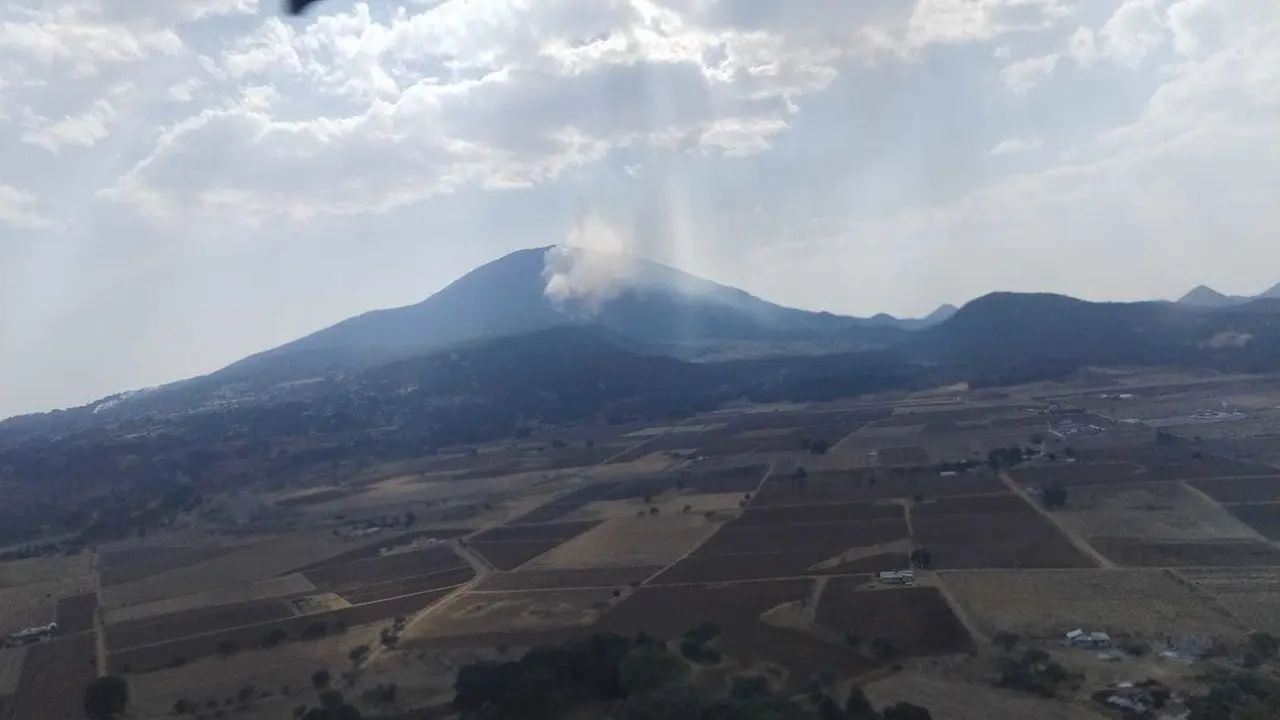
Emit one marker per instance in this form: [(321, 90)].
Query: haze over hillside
[(657, 307)]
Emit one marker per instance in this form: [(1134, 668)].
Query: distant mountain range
[(563, 312), (1206, 297)]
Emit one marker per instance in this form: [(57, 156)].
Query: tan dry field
[(495, 613), (11, 659), (1150, 511), (259, 561), (34, 603), (1252, 595), (956, 700), (1048, 603), (668, 503), (44, 569), (291, 584), (153, 694), (630, 542)]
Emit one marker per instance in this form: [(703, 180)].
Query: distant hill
[(1206, 297), (1004, 331)]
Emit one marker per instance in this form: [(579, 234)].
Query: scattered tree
[(320, 679), (106, 698), (1054, 495)]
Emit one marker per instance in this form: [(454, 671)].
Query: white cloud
[(1013, 146), (1021, 76), (17, 210), (83, 130)]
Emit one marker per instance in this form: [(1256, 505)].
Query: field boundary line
[(1223, 506), (768, 471), (1103, 561), (458, 592)]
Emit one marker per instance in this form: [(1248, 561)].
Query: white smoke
[(593, 266)]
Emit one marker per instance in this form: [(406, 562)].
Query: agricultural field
[(45, 569), (1264, 518), (1047, 603), (951, 699), (291, 585), (488, 616), (1130, 552), (36, 603), (1252, 595), (1149, 511), (630, 542), (739, 611), (1241, 489), (915, 621), (996, 531), (53, 679), (638, 527)]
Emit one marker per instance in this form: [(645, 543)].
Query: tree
[(410, 518), (106, 698), (320, 679), (1006, 641), (331, 699), (882, 648), (648, 667), (1054, 495), (1037, 438), (858, 707)]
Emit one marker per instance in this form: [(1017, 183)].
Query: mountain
[(655, 306), (1206, 297)]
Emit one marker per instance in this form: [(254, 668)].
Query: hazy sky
[(184, 182)]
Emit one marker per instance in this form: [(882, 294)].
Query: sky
[(186, 182)]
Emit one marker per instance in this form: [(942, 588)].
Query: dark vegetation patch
[(910, 622), (1241, 489), (1132, 552), (300, 627), (547, 579), (54, 677), (75, 614)]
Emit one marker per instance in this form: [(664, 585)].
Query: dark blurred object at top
[(297, 7)]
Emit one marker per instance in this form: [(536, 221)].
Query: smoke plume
[(593, 266)]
